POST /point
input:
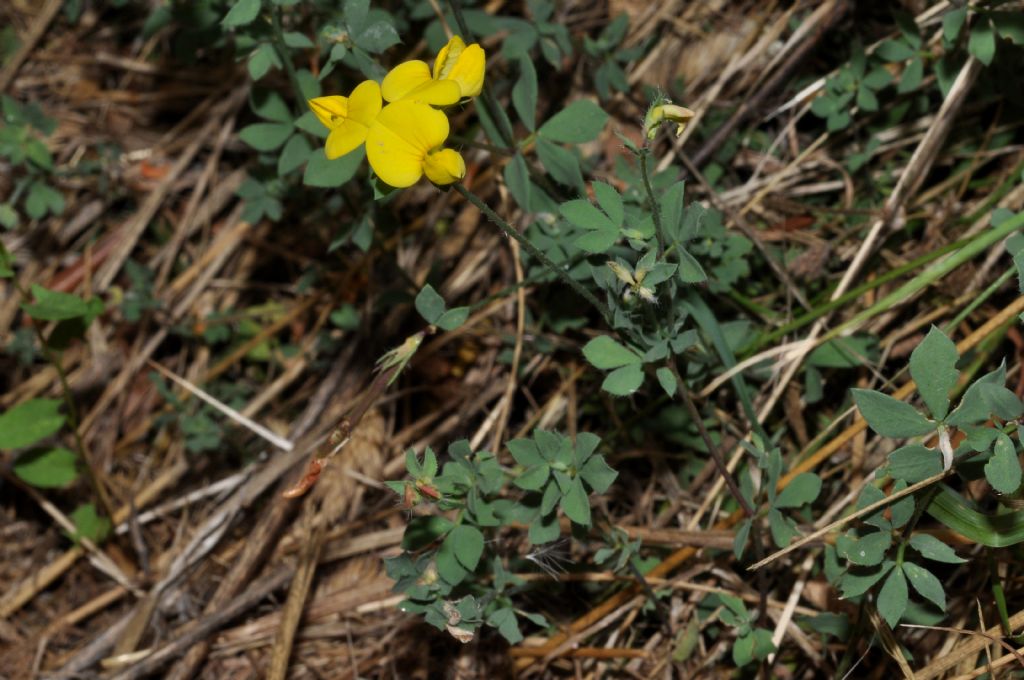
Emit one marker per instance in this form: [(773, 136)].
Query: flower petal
[(421, 126), (435, 93), (447, 57), (344, 138), (394, 162), (468, 70), (444, 167), (400, 139), (364, 103), (404, 78), (331, 111)]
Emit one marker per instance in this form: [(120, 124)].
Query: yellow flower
[(661, 113), (462, 63), (458, 73), (404, 143), (348, 118)]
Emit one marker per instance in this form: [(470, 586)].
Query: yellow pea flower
[(665, 112), (458, 73), (348, 118), (404, 143), (462, 63)]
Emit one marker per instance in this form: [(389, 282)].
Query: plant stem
[(856, 293), (684, 392), (285, 57), (716, 455), (1000, 598), (93, 474), (937, 271), (659, 229), (655, 211), (734, 490), (496, 112), (501, 151), (341, 435), (94, 478), (979, 299), (535, 252)]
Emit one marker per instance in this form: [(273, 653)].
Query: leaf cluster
[(451, 552), (877, 551), (23, 130)]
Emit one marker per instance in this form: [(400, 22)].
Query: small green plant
[(611, 58), (23, 129), (752, 643), (634, 253), (29, 427), (664, 275), (199, 428), (985, 418), (459, 564), (798, 494), (862, 84)]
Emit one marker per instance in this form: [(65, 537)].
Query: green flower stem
[(681, 388), (716, 455), (497, 113), (535, 252), (684, 392), (659, 230), (284, 55)]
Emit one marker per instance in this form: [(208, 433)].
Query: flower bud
[(665, 112)]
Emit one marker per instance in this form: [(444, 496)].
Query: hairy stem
[(285, 57), (535, 252), (659, 230), (716, 455)]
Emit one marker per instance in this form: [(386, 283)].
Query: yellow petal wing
[(394, 161), (435, 93), (404, 78), (331, 111), (344, 138), (364, 103), (468, 70)]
